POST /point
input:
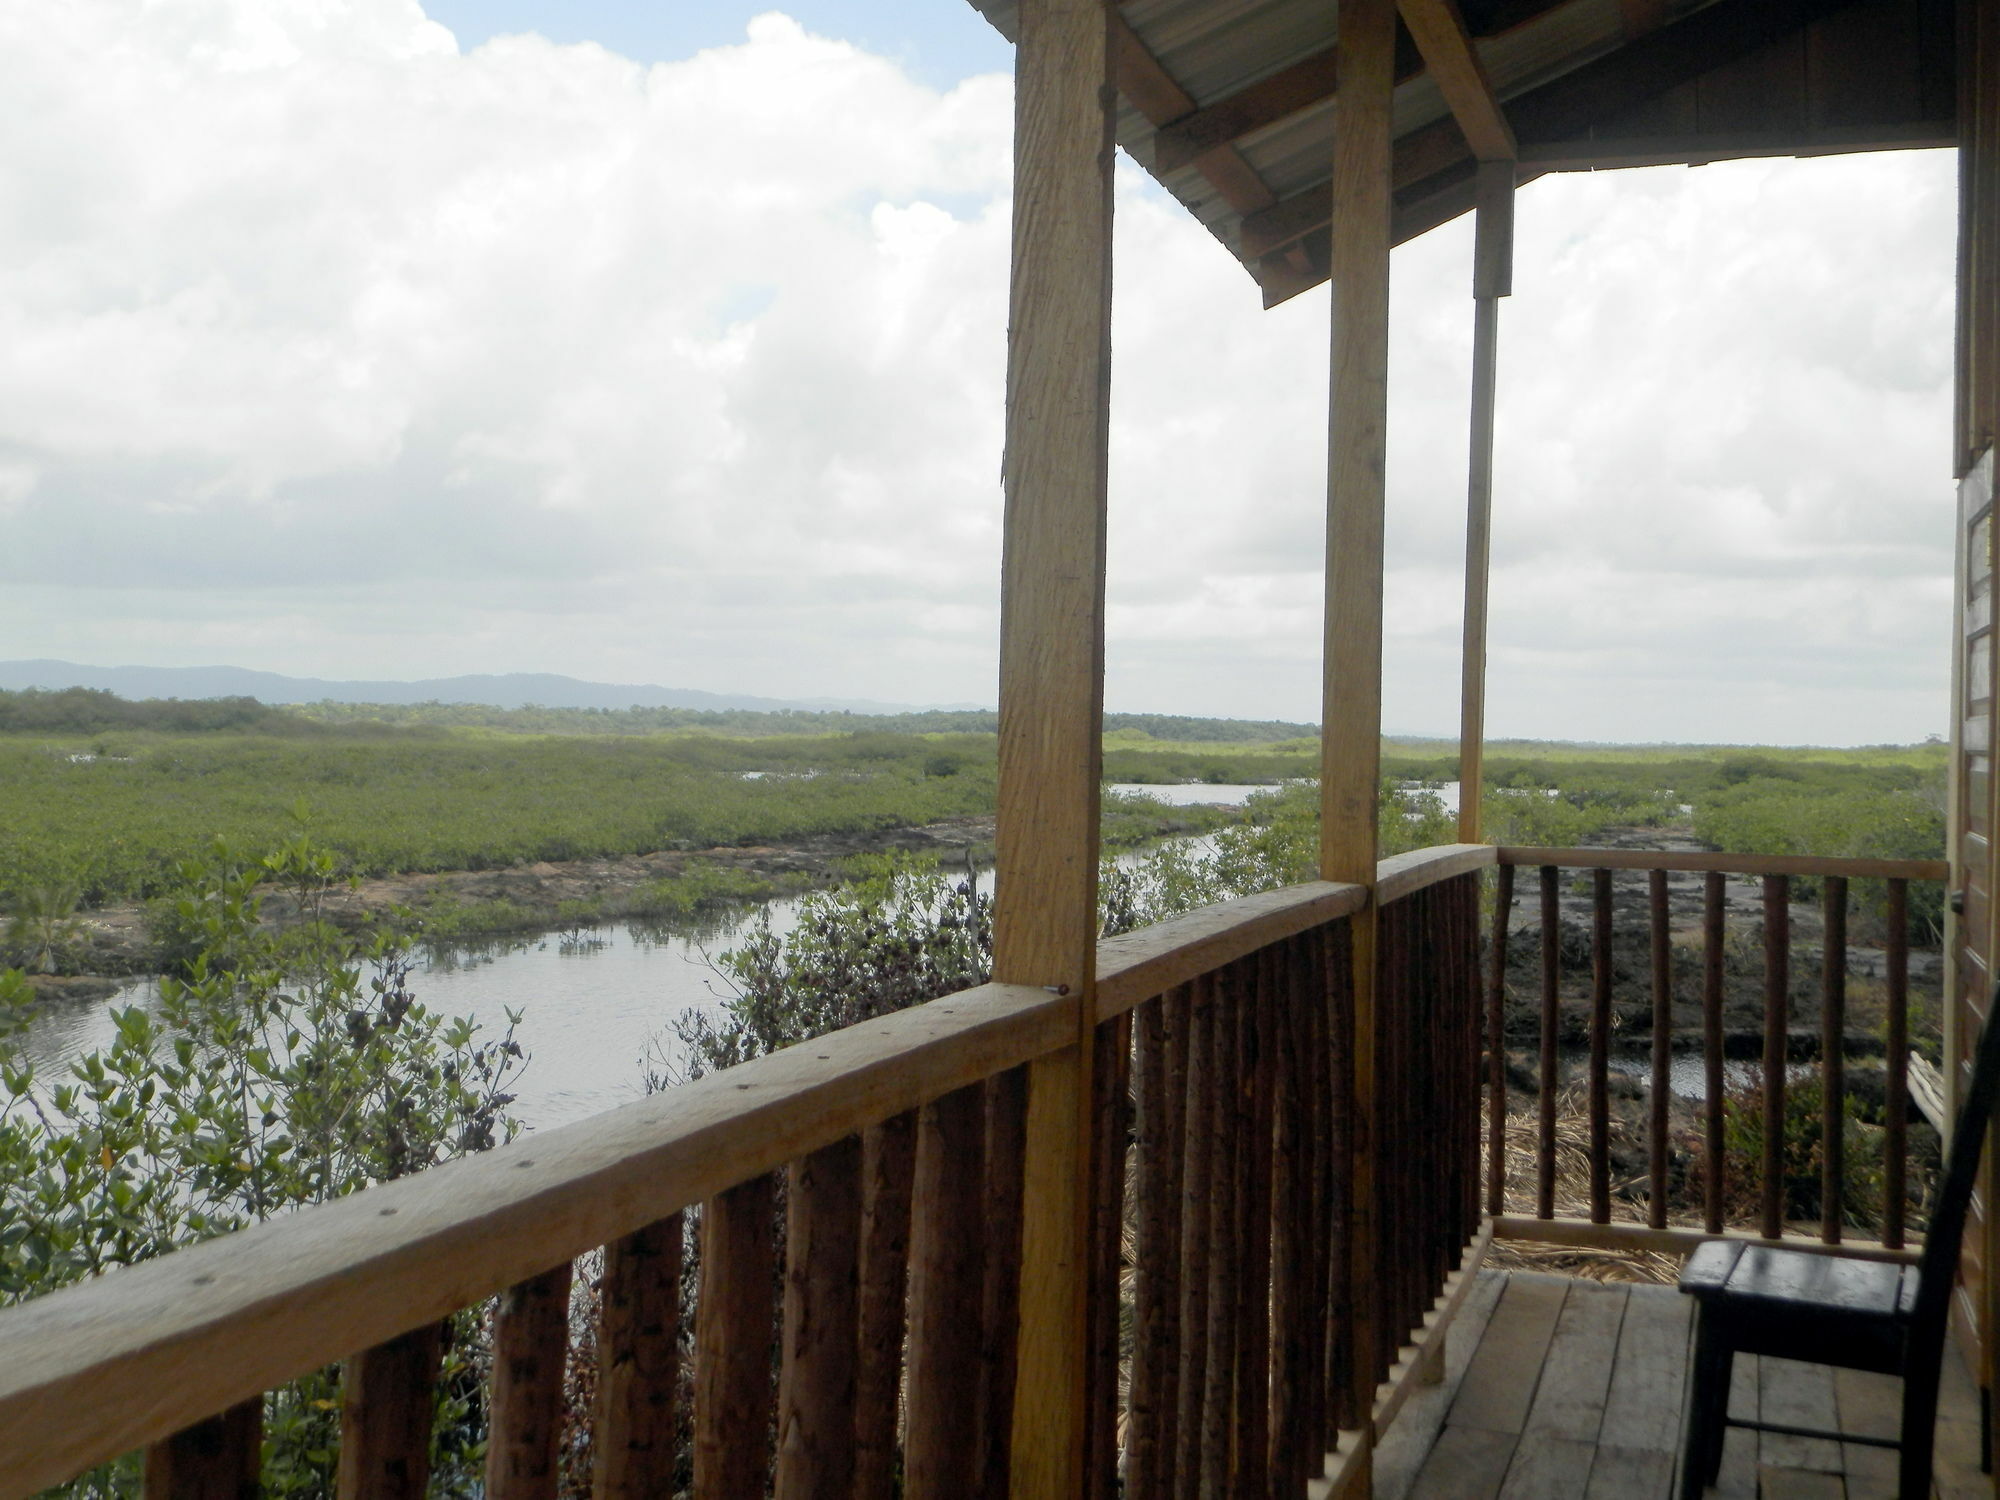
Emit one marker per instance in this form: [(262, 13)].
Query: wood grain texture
[(1403, 875), (530, 1350), (638, 1364), (1455, 67), (1832, 1061), (1660, 951), (1000, 1283), (1153, 92), (1136, 966), (166, 1344), (1496, 1046), (1493, 258), (1714, 1158), (1600, 1046), (1672, 1240), (1777, 1017), (385, 1418), (1729, 864), (220, 1459), (821, 1329), (947, 1288), (734, 1322), (1052, 680), (888, 1166)]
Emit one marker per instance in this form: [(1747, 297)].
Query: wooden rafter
[(1454, 63), (1294, 89), (1560, 111), (1152, 91), (1265, 102)]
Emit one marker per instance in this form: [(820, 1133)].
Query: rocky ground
[(1743, 977)]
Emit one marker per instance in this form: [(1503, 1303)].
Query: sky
[(664, 343)]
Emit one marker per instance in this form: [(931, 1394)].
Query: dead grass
[(1572, 1197)]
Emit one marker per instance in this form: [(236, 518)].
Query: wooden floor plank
[(1548, 1467), (1403, 1448), (1468, 1463), (1800, 1395), (1630, 1474), (1499, 1386), (1799, 1484), (1520, 1378), (1649, 1377), (1738, 1479), (1576, 1373), (1870, 1405)]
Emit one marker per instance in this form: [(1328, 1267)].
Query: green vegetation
[(290, 1064)]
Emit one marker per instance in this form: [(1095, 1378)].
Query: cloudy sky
[(664, 343)]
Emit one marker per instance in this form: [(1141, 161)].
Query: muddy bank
[(1743, 960), (117, 944)]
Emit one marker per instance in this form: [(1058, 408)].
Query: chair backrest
[(1939, 1260)]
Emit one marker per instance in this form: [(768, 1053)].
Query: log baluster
[(1895, 1166), (888, 1168), (1006, 1144), (1833, 1061), (1545, 1135), (1196, 1212), (530, 1346), (734, 1319), (1224, 1238), (821, 1327), (1663, 1045), (1777, 990), (385, 1417), (947, 1285), (1713, 892), (1600, 1047), (1154, 1245), (1335, 1019), (638, 1364), (1253, 1381), (219, 1459), (1111, 1114)]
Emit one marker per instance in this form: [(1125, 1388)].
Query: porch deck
[(1560, 1388)]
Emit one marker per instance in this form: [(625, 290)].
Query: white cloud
[(325, 348)]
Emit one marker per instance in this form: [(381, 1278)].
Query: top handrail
[(153, 1348), (1699, 861)]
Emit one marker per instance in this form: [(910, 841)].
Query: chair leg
[(1707, 1409), (1920, 1405)]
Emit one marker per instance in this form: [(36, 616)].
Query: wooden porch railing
[(1659, 1232), (885, 1339)]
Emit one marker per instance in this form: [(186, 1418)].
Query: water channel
[(592, 1011)]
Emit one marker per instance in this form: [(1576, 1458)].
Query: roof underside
[(1230, 105)]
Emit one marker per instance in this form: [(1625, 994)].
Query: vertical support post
[(1052, 684), (219, 1459), (1492, 279), (1351, 737)]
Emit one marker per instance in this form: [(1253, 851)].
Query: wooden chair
[(1857, 1314)]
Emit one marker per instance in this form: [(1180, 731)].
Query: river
[(592, 1011)]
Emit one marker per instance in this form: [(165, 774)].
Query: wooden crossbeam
[(1152, 91), (1265, 102), (1454, 63), (1561, 110)]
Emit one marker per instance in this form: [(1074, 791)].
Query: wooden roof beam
[(1265, 102), (1564, 108), (1453, 61), (1290, 91), (1151, 90)]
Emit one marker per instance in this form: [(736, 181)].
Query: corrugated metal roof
[(1212, 49)]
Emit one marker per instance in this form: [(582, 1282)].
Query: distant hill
[(505, 690)]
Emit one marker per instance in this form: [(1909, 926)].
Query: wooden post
[(888, 1157), (1492, 279), (1351, 737), (1052, 683), (638, 1364), (530, 1345), (821, 1325), (947, 1288), (734, 1321), (220, 1459), (385, 1418)]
